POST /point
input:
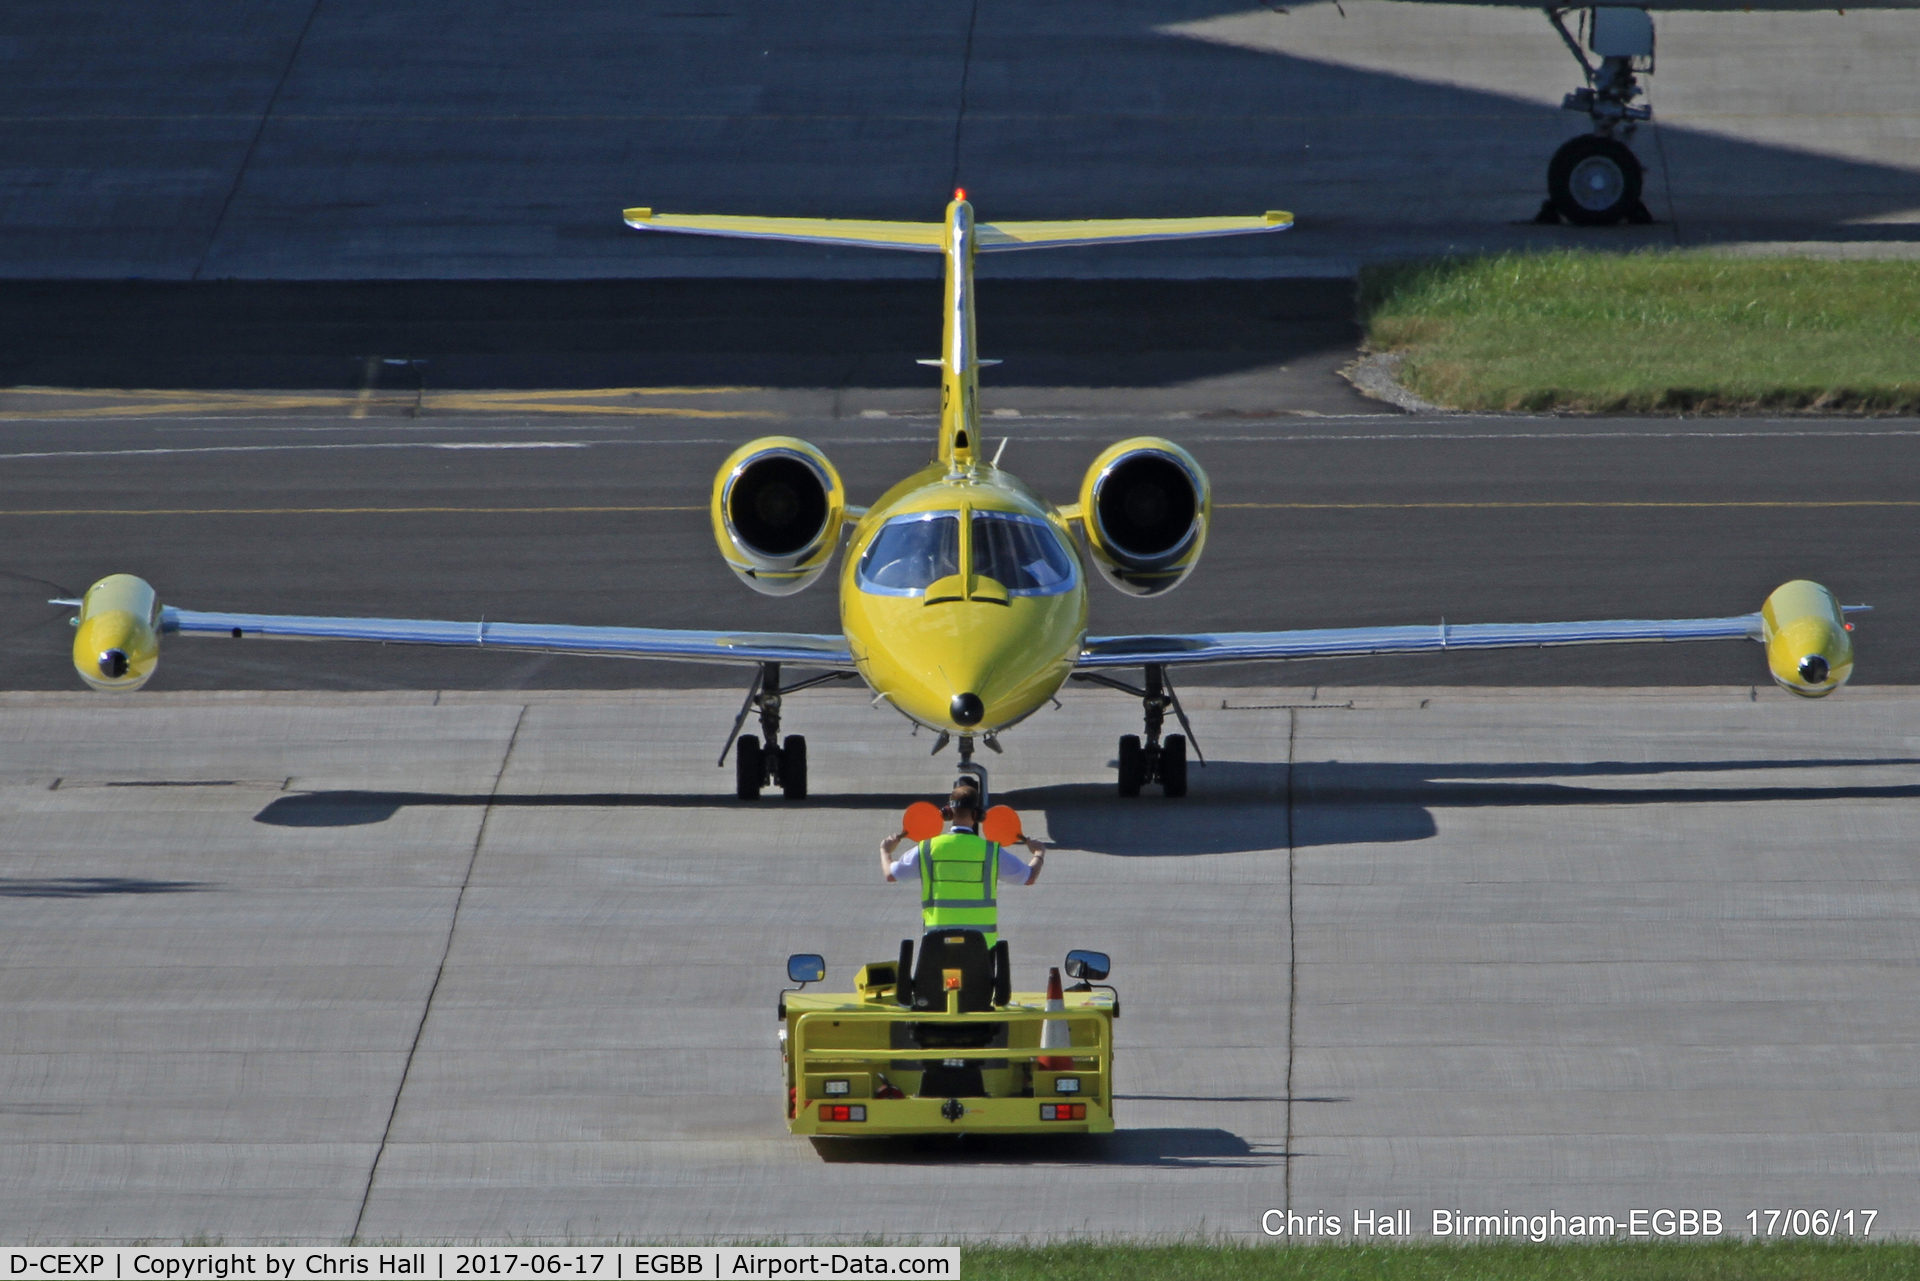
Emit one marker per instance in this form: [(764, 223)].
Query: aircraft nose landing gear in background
[(1153, 761), (765, 761), (1595, 180)]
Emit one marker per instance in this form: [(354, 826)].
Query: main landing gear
[(1153, 761), (1595, 180), (765, 761)]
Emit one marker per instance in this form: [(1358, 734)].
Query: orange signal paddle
[(922, 821), (1002, 825)]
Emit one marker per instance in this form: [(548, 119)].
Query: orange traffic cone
[(1054, 1033)]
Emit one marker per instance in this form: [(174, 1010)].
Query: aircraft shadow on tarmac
[(1235, 806), (1170, 1147)]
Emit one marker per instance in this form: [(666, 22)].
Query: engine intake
[(778, 506), (1144, 505)]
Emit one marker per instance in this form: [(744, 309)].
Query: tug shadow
[(1168, 1148)]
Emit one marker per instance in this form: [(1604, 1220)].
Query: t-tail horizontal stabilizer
[(959, 238), (930, 237)]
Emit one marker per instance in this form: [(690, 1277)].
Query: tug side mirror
[(806, 967), (1089, 967)]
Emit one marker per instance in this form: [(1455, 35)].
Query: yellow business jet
[(963, 593)]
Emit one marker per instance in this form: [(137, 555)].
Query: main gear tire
[(749, 767), (1173, 765), (1133, 765), (1595, 181), (793, 768)]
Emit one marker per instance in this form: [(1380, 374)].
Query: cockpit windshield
[(911, 553), (1021, 553)]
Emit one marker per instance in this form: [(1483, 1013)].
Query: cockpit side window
[(1022, 554), (910, 554)]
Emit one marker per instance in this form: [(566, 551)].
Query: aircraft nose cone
[(1813, 669), (967, 709), (113, 664)]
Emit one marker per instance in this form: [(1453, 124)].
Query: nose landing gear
[(764, 760), (1595, 180), (1152, 761)]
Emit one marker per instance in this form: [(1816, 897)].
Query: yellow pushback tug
[(945, 1047)]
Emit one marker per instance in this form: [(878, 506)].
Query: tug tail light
[(1063, 1111), (843, 1111)]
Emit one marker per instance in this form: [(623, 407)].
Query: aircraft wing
[(1347, 642), (800, 649)]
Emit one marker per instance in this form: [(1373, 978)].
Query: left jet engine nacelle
[(1809, 652), (116, 639), (778, 506), (1144, 505)]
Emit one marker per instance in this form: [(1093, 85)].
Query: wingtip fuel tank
[(116, 639), (1809, 649)]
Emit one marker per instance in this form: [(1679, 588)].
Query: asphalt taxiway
[(486, 966)]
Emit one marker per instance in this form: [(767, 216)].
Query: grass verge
[(1806, 1260), (1659, 331)]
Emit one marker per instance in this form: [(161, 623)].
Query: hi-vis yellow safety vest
[(957, 876)]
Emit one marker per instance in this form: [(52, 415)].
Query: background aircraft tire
[(1133, 765), (749, 767), (1594, 181), (793, 768), (1173, 765)]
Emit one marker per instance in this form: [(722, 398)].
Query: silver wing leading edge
[(798, 648), (1347, 642)]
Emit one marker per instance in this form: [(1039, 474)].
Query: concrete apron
[(317, 967)]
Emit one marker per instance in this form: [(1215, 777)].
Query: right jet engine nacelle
[(1144, 505), (778, 506), (1809, 651)]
